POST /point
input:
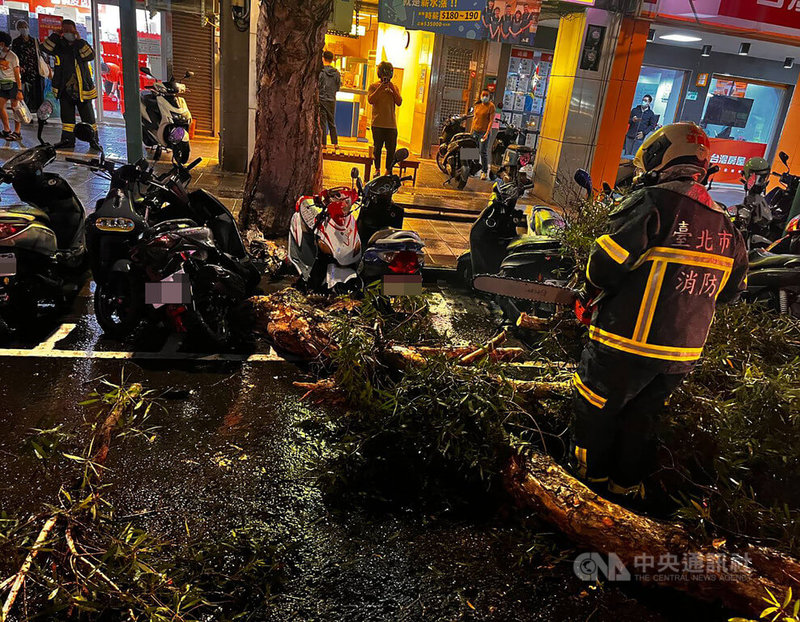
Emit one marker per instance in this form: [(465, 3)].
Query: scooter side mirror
[(607, 189), (157, 153), (583, 179), (784, 157), (354, 173), (188, 74), (712, 170), (400, 155), (146, 71), (45, 110)]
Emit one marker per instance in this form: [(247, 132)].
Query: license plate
[(402, 285), (469, 153), (173, 290), (8, 264)]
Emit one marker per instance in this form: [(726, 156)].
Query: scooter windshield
[(30, 160)]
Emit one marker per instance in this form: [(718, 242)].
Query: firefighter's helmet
[(674, 145)]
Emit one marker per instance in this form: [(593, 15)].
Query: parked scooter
[(462, 157), (329, 231), (774, 280), (455, 125), (511, 158), (165, 116), (780, 198), (161, 254), (42, 244), (753, 217)]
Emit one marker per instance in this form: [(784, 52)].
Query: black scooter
[(42, 245), (774, 280), (459, 154), (780, 198), (157, 252), (510, 158)]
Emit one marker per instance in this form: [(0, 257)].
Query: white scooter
[(165, 116), (342, 237)]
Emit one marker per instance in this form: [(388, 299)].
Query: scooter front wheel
[(119, 305)]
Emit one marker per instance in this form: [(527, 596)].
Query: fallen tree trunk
[(739, 579)]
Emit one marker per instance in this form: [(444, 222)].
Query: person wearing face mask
[(10, 86), (27, 50), (641, 122), (73, 81), (483, 116)]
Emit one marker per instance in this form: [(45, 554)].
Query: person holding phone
[(384, 97)]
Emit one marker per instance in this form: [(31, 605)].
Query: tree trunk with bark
[(287, 160), (739, 577)]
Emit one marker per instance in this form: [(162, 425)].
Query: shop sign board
[(505, 21), (731, 155), (49, 24), (780, 17)]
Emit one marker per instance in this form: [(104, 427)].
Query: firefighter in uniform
[(671, 257), (73, 81)]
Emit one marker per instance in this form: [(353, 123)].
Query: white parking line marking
[(60, 333), (268, 357)]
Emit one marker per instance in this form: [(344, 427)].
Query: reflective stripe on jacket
[(672, 254), (72, 59)]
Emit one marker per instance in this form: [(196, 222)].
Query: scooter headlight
[(176, 134), (115, 224)]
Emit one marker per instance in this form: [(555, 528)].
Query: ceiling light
[(651, 35), (706, 50), (788, 63), (744, 49), (680, 38)]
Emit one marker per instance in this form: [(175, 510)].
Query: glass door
[(666, 87), (109, 56)]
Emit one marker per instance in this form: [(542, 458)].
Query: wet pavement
[(234, 452)]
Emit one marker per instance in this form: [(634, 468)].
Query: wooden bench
[(409, 164), (353, 157)]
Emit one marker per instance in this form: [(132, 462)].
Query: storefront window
[(150, 54), (526, 88), (665, 87), (741, 110)]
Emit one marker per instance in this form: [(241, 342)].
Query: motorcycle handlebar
[(407, 178)]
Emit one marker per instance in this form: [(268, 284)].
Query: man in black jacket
[(73, 81), (641, 122), (330, 81), (671, 256)]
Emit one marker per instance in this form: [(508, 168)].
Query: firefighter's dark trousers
[(68, 106), (618, 401)]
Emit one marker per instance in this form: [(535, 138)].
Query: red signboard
[(776, 12), (731, 155), (49, 24)]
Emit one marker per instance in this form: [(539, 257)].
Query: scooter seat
[(534, 242), (521, 148), (385, 237), (763, 259), (26, 211)]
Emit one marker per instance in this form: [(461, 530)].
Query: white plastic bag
[(22, 113)]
